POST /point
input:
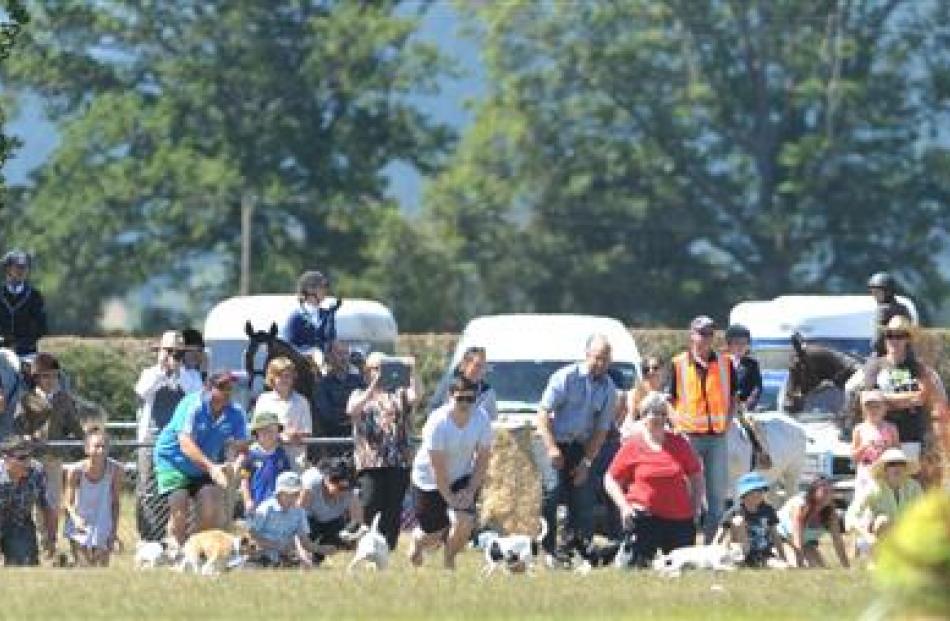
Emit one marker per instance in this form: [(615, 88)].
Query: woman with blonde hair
[(652, 381), (292, 409)]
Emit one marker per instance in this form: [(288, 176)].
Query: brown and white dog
[(212, 551)]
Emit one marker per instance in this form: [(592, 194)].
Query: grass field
[(428, 593)]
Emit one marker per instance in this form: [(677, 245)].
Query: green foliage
[(652, 160), (175, 113), (16, 17)]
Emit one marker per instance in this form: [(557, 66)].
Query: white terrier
[(150, 555), (516, 553), (371, 549), (716, 557)]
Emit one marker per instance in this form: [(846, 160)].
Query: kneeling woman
[(656, 481), (802, 521)]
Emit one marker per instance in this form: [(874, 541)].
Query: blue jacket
[(22, 318), (305, 330)]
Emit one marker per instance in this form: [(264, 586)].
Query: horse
[(307, 375), (782, 437), (12, 384), (815, 373)]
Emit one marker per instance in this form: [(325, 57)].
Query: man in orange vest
[(703, 389)]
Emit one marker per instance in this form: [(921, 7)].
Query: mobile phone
[(394, 373)]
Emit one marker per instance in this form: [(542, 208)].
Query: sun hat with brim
[(288, 482), (750, 482), (872, 396), (265, 419), (894, 456)]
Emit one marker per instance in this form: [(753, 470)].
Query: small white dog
[(716, 557), (372, 549), (151, 555), (516, 553)]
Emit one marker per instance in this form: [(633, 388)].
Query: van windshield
[(524, 381)]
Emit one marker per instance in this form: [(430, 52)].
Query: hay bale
[(511, 496)]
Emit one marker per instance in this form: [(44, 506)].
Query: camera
[(394, 373)]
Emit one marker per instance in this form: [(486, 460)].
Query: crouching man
[(447, 473), (190, 455)]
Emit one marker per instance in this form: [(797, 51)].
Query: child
[(92, 502), (871, 438), (265, 461), (802, 521), (753, 524), (279, 527)]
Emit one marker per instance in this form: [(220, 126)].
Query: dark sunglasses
[(20, 456), (705, 332), (475, 350), (651, 368), (465, 398), (899, 336), (223, 387)]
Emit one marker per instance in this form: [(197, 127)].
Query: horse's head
[(256, 338), (812, 366)]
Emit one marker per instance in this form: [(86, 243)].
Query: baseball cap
[(289, 482), (702, 323)]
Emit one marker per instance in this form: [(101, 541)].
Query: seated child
[(752, 523), (265, 460), (279, 527)]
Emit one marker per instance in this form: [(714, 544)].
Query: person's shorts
[(327, 533), (432, 511), (18, 544), (170, 480)]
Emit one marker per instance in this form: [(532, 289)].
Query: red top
[(656, 480)]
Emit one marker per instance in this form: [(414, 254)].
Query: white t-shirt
[(459, 445), (153, 380), (293, 414)]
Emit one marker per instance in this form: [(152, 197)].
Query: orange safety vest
[(699, 408)]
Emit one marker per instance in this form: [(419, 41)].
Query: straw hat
[(894, 456)]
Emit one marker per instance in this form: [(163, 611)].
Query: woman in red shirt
[(656, 480)]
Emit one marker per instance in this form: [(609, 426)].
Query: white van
[(366, 324), (523, 350)]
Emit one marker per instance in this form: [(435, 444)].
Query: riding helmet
[(16, 257), (882, 280), (310, 280)]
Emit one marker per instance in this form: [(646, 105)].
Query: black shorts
[(432, 512), (327, 533)]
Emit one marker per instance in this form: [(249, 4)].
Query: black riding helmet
[(737, 331), (17, 257), (309, 281), (882, 280)]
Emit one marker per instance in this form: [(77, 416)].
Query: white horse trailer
[(364, 324)]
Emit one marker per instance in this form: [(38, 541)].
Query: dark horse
[(307, 375), (815, 368)]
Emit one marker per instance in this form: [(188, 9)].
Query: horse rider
[(703, 389), (311, 326), (22, 309), (883, 288), (749, 384)]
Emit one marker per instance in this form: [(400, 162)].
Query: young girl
[(92, 502), (871, 438), (802, 521)]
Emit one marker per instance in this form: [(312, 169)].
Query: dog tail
[(375, 525), (544, 530)]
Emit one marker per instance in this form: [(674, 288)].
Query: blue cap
[(749, 482)]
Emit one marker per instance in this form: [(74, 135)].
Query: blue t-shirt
[(193, 416), (272, 522), (262, 469)]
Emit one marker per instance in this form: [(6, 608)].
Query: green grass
[(406, 593)]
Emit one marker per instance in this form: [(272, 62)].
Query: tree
[(177, 115), (661, 159), (16, 17)]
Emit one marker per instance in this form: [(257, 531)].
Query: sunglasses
[(20, 456), (465, 398), (705, 333), (896, 336), (223, 387), (651, 368)]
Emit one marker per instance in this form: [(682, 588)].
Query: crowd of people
[(657, 453)]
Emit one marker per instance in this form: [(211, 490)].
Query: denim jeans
[(578, 498), (713, 451), (18, 544)]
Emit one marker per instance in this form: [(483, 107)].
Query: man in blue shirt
[(574, 416), (190, 453)]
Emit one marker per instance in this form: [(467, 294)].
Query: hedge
[(105, 369)]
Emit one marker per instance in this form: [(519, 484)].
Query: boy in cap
[(279, 527), (264, 462), (752, 523), (22, 487)]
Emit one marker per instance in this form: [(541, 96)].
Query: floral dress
[(381, 433)]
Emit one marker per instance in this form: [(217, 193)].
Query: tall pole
[(247, 211)]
